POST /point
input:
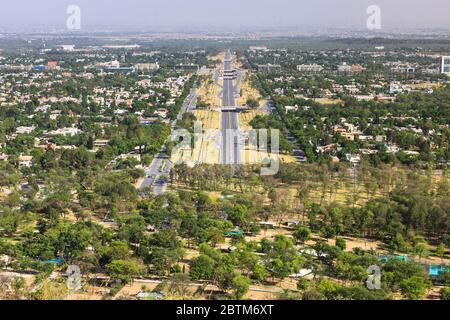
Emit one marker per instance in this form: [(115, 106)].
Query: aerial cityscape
[(241, 150)]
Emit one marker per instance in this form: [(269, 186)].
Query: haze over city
[(134, 14)]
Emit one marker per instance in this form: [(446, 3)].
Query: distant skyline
[(195, 14)]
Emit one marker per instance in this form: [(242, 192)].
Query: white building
[(255, 49), (66, 132), (310, 68), (151, 67), (291, 108), (396, 87), (353, 158), (344, 67), (25, 130), (67, 47), (25, 161), (162, 112)]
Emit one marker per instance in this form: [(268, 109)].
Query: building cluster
[(57, 102), (331, 78), (269, 68)]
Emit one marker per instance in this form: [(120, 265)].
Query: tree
[(118, 250), (237, 214), (224, 274), (414, 288), (146, 159), (421, 250), (341, 244), (179, 285), (302, 234), (440, 251), (240, 285), (303, 284), (70, 239), (49, 290), (395, 271), (163, 259), (90, 143), (279, 269), (313, 294), (252, 103), (281, 258), (259, 273), (164, 251), (328, 288), (215, 236), (124, 270), (326, 253), (202, 267), (399, 244), (444, 294), (18, 284)]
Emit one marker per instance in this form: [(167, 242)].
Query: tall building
[(445, 65)]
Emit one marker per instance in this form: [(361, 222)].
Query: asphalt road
[(160, 182), (228, 88), (157, 173), (230, 150), (152, 171)]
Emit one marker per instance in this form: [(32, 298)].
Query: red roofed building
[(52, 65)]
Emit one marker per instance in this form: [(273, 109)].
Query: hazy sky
[(237, 13)]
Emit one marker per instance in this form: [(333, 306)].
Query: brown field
[(424, 85), (249, 155), (248, 91), (327, 101), (206, 151), (210, 119), (209, 92), (219, 56), (246, 117)]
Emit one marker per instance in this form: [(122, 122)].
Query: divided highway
[(230, 150)]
